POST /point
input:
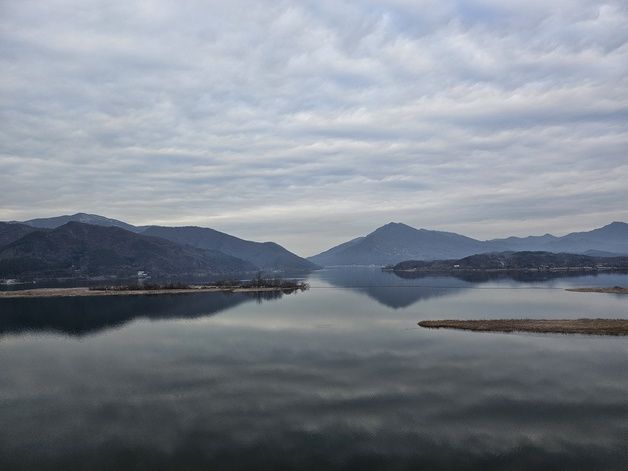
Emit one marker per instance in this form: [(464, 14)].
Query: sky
[(313, 122)]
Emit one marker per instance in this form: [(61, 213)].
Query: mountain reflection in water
[(386, 287), (86, 315), (402, 289)]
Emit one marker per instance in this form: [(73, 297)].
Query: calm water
[(339, 377)]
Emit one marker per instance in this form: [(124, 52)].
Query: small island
[(547, 326), (254, 286), (612, 290)]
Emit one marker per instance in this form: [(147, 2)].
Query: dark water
[(339, 377)]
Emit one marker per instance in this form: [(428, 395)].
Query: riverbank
[(613, 290), (553, 326), (84, 291)]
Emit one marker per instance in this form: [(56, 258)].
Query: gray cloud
[(310, 123)]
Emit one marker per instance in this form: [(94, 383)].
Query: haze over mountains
[(397, 242)]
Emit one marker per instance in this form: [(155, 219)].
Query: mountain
[(515, 261), (94, 219), (84, 249), (395, 242), (265, 255), (521, 243), (12, 231), (612, 238)]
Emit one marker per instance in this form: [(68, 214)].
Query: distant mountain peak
[(395, 242), (85, 218), (394, 226), (616, 225)]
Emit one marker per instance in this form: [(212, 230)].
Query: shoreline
[(86, 291), (614, 327)]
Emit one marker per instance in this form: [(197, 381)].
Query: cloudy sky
[(312, 122)]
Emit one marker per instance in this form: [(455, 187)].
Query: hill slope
[(265, 255), (12, 231), (83, 249)]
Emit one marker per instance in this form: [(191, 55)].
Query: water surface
[(339, 377)]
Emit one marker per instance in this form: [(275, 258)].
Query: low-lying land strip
[(557, 326), (613, 290), (246, 287), (526, 261)]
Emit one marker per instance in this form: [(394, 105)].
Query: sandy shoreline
[(83, 292), (553, 326)]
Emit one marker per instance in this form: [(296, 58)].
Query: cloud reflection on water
[(261, 387)]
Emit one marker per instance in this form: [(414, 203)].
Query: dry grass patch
[(613, 290), (557, 326)]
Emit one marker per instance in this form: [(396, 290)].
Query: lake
[(338, 377)]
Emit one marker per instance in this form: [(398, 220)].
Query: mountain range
[(91, 244), (88, 244), (397, 242), (82, 249)]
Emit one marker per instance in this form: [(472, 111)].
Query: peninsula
[(280, 286)]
